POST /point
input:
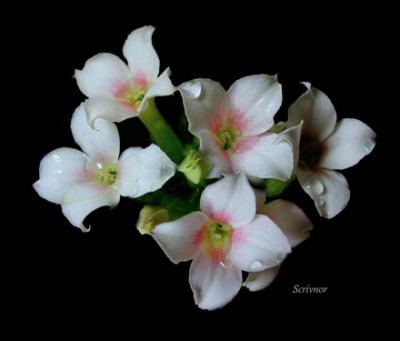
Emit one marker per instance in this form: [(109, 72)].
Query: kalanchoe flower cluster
[(225, 226)]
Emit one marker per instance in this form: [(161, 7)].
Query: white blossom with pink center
[(226, 237), (81, 182), (117, 91), (232, 126)]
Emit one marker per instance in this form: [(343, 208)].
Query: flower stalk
[(161, 132)]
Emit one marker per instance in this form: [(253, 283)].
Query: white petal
[(290, 219), (138, 50), (256, 281), (103, 75), (206, 104), (230, 199), (258, 245), (212, 284), (84, 199), (254, 101), (141, 171), (100, 143), (265, 156), (110, 109), (316, 110), (178, 239), (292, 135), (210, 149), (349, 143), (328, 189), (161, 87), (60, 170)]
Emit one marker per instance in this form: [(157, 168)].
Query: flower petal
[(259, 245), (110, 109), (103, 75), (161, 87), (265, 156), (292, 135), (213, 285), (178, 239), (84, 199), (141, 171), (60, 170), (349, 143), (210, 149), (256, 281), (206, 104), (100, 143), (230, 199), (290, 219), (142, 58), (254, 101), (328, 189), (316, 110)]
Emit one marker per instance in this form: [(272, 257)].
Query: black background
[(114, 281)]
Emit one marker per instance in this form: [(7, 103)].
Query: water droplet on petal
[(320, 202), (317, 188), (192, 89), (256, 265)]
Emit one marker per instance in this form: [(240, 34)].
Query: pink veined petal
[(178, 239), (290, 219), (256, 281), (206, 105), (254, 101), (111, 109), (348, 144), (141, 171), (329, 190), (230, 200), (142, 58), (259, 245), (212, 284), (219, 159), (265, 156), (83, 199), (316, 110), (103, 75), (59, 171)]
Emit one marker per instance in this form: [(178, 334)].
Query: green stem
[(161, 132)]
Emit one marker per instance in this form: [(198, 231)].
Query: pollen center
[(107, 175), (217, 239), (227, 137), (135, 97)]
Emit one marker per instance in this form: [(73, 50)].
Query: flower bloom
[(226, 237), (232, 126), (325, 146), (84, 181), (293, 223), (117, 91)]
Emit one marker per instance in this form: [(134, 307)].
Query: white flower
[(326, 145), (231, 126), (84, 181), (117, 91), (226, 237), (294, 224)]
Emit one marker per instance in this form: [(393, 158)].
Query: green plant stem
[(161, 132)]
